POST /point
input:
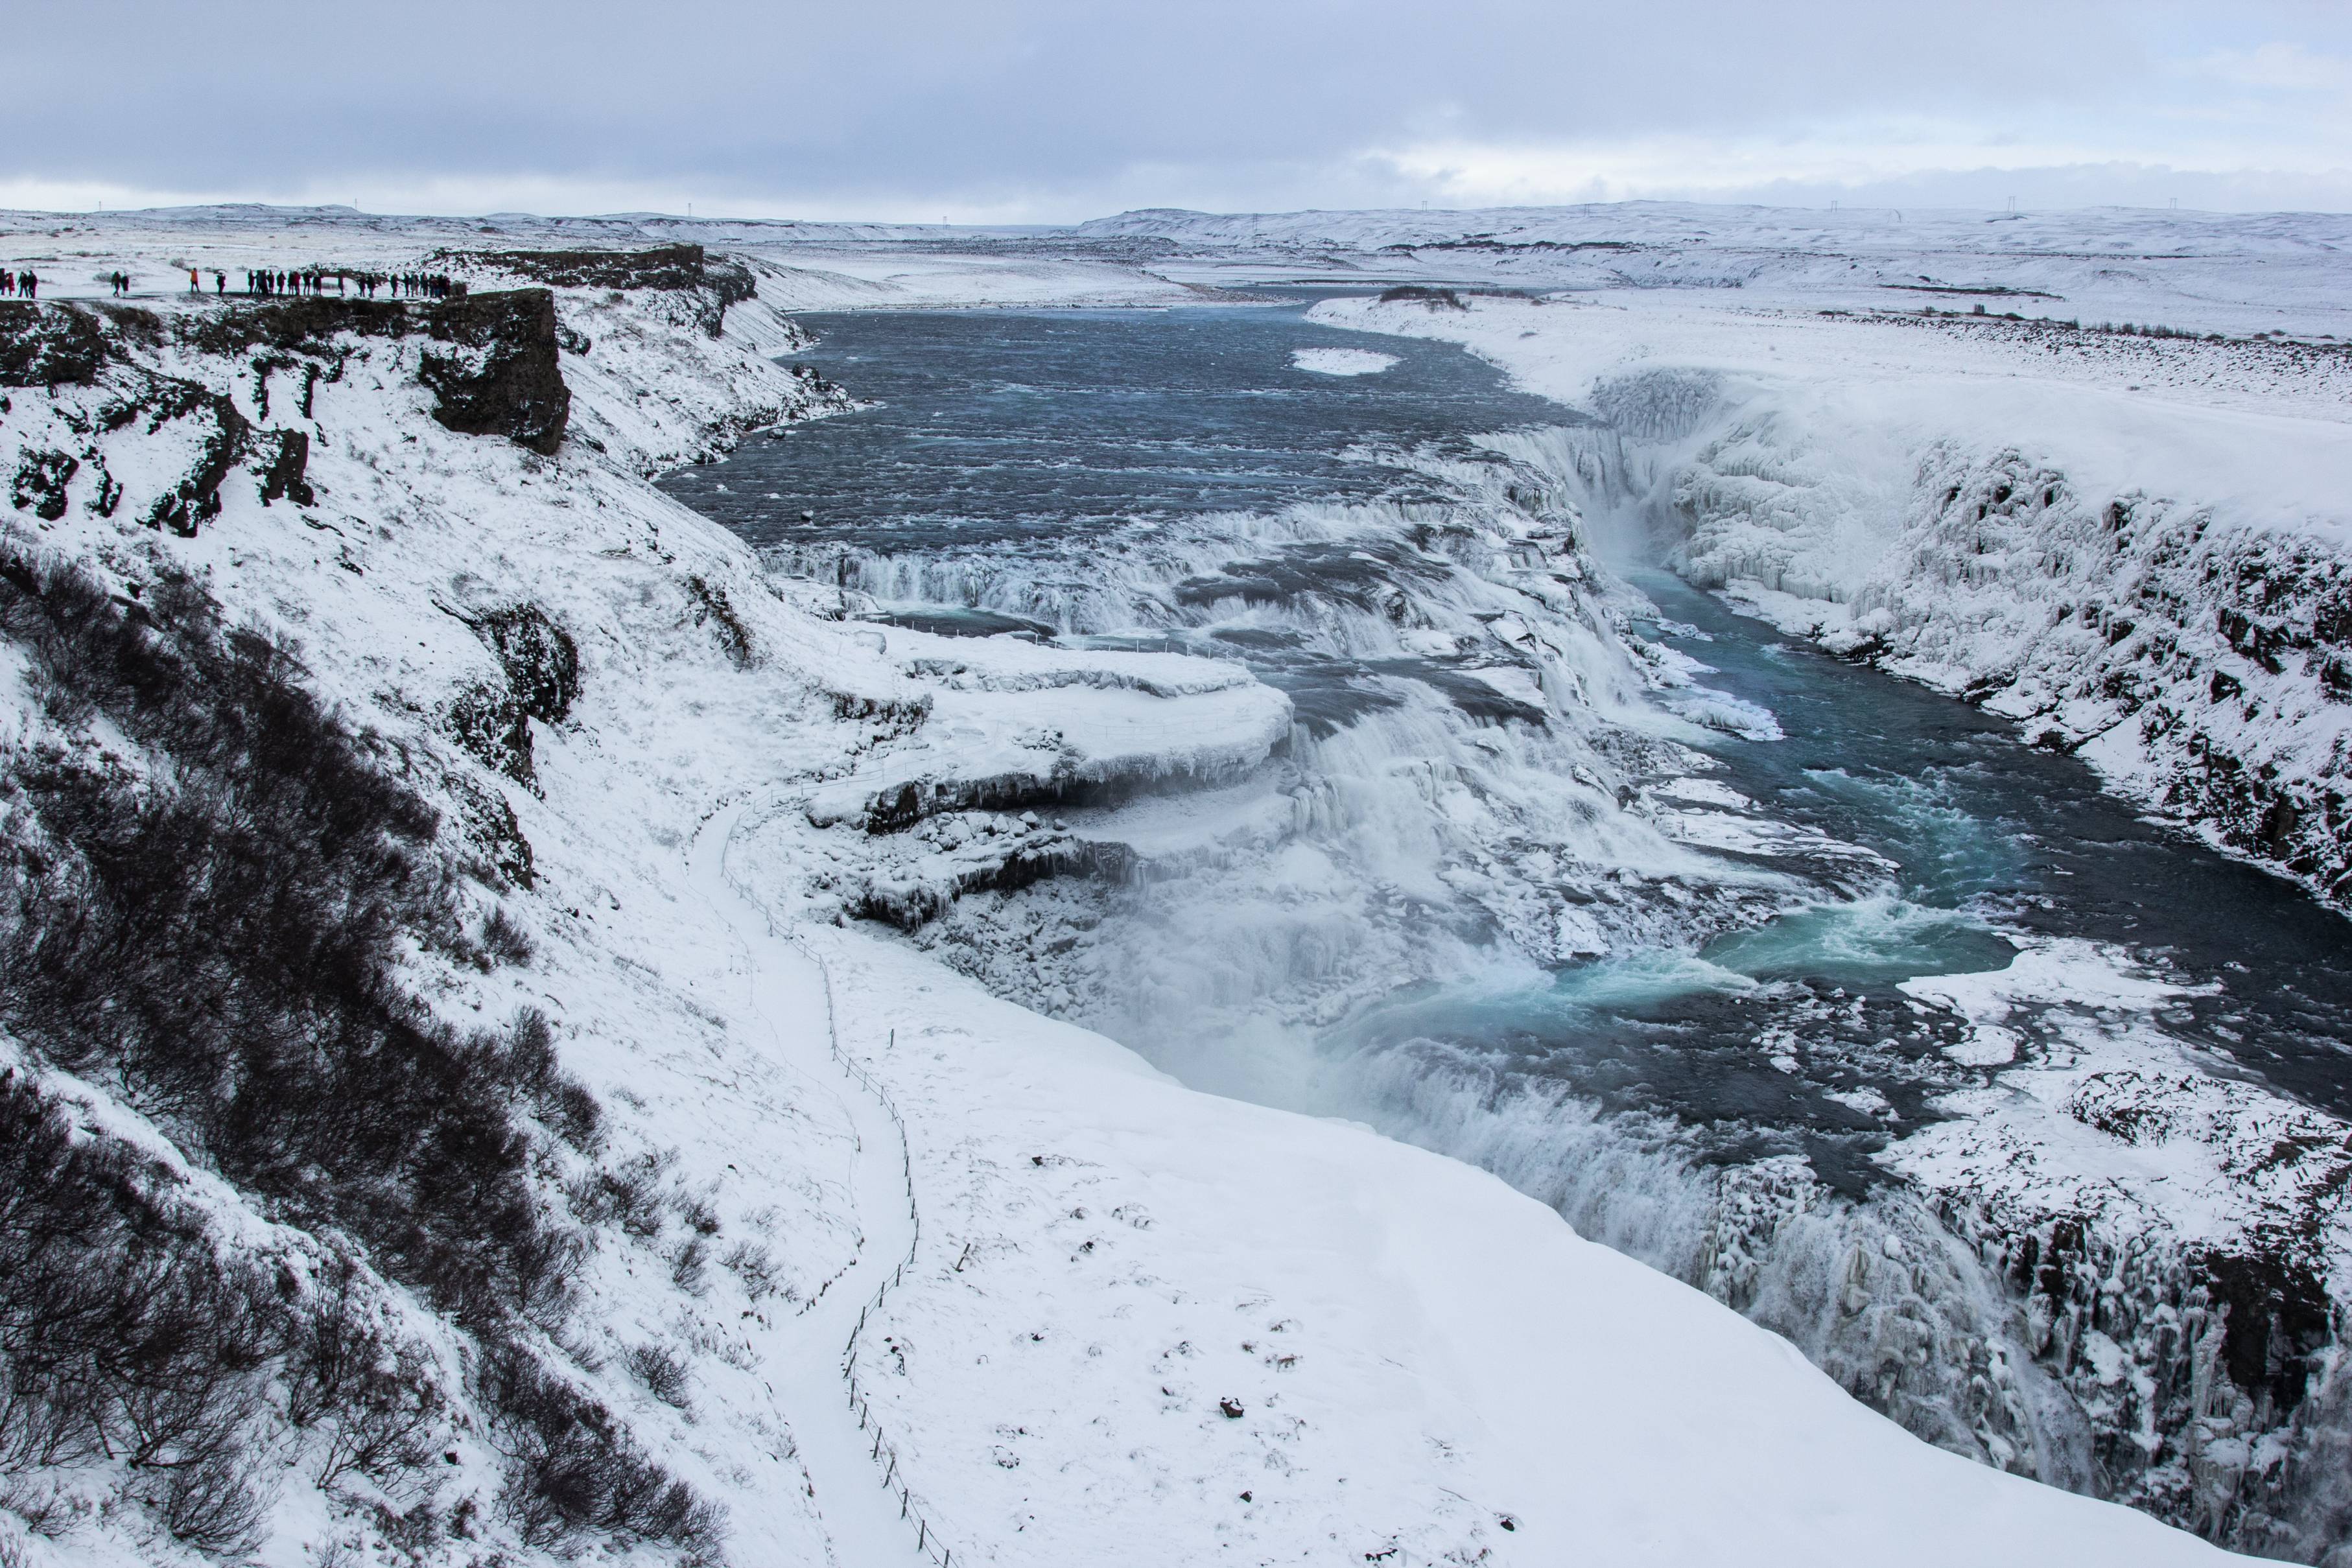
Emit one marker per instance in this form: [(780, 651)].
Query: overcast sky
[(1048, 111)]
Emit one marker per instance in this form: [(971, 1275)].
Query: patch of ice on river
[(1341, 361)]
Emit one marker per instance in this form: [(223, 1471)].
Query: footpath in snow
[(785, 999)]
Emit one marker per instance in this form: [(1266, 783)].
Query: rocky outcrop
[(682, 268), (48, 346), (494, 368), (498, 374)]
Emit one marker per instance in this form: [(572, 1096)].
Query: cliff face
[(309, 1194), (2204, 664), (2196, 650), (498, 376)]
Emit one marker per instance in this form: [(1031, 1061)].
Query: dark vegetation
[(219, 943), (1419, 294)]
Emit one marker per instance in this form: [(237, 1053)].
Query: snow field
[(1417, 1353)]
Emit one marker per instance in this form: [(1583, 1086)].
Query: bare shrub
[(216, 1506), (225, 945), (506, 940), (528, 1065), (756, 1267), (573, 1469), (629, 1193), (220, 939), (688, 1265), (660, 1370), (121, 1333)]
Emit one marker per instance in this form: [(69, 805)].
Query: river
[(1445, 926)]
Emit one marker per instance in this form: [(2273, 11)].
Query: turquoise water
[(1020, 436)]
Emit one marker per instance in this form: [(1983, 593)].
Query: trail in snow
[(864, 1525)]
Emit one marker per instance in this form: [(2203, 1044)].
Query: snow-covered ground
[(1137, 1323), (2235, 272)]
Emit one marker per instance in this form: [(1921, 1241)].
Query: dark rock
[(48, 346), (40, 485), (2278, 1324), (490, 824), (285, 474), (541, 662), (682, 268), (713, 609), (307, 325), (1418, 294), (501, 375), (678, 266), (196, 499), (490, 725)]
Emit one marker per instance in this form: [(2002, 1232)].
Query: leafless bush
[(688, 1265), (660, 1370), (505, 940), (214, 1506), (756, 1267), (574, 1469), (225, 945), (629, 1193), (121, 1334), (221, 941)]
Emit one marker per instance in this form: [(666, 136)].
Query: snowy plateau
[(730, 1009)]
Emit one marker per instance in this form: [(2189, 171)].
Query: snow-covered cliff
[(2137, 544)]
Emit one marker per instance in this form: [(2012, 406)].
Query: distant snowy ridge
[(2239, 272)]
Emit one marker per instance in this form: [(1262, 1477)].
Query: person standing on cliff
[(30, 281)]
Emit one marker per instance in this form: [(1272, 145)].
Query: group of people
[(314, 281), (270, 282)]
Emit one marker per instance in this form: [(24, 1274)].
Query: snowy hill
[(2201, 271)]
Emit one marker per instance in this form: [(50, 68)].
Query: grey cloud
[(1043, 101)]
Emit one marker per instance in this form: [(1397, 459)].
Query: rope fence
[(884, 1453)]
